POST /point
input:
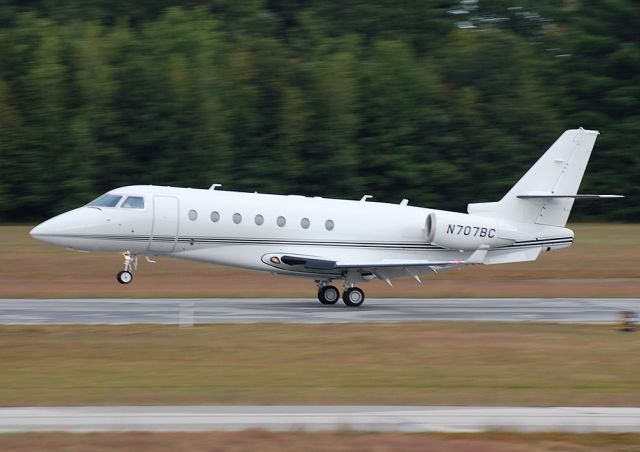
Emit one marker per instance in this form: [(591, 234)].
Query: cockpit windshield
[(106, 200), (133, 202)]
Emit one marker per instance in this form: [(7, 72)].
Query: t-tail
[(546, 193), (531, 217)]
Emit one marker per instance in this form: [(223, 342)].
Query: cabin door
[(164, 230)]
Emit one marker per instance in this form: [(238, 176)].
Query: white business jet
[(330, 239)]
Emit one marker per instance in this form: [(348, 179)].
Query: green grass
[(452, 364), (603, 262)]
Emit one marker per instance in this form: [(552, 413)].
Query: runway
[(202, 311), (314, 418)]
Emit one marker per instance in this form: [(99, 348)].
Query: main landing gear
[(352, 296), (328, 294), (130, 264)]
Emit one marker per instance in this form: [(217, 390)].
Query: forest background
[(440, 102)]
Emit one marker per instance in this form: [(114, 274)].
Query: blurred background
[(441, 102)]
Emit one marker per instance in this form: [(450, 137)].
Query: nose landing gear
[(124, 277), (130, 264)]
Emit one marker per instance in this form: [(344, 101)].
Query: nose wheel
[(124, 277), (130, 264)]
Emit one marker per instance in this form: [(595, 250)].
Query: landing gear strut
[(130, 264)]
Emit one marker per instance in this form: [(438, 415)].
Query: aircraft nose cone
[(47, 230), (39, 230), (60, 230)]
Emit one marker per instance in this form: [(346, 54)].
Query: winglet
[(477, 257)]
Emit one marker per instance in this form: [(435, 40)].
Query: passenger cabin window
[(105, 201), (133, 202)]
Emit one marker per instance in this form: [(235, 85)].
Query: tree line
[(440, 102)]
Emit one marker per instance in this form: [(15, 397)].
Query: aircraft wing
[(476, 257), (314, 263)]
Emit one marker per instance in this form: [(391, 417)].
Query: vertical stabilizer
[(549, 186)]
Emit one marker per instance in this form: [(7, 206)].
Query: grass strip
[(415, 364), (317, 441)]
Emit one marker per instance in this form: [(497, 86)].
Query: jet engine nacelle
[(461, 231)]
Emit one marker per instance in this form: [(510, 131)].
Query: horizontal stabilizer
[(551, 196)]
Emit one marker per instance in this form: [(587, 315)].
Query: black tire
[(328, 295), (353, 297), (124, 277)]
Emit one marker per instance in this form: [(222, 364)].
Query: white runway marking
[(313, 418), (171, 311)]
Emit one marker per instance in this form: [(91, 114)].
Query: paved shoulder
[(312, 418)]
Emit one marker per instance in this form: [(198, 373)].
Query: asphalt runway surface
[(314, 418), (201, 311)]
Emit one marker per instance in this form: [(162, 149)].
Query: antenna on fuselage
[(213, 186)]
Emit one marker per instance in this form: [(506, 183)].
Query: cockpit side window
[(134, 202), (105, 201)]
